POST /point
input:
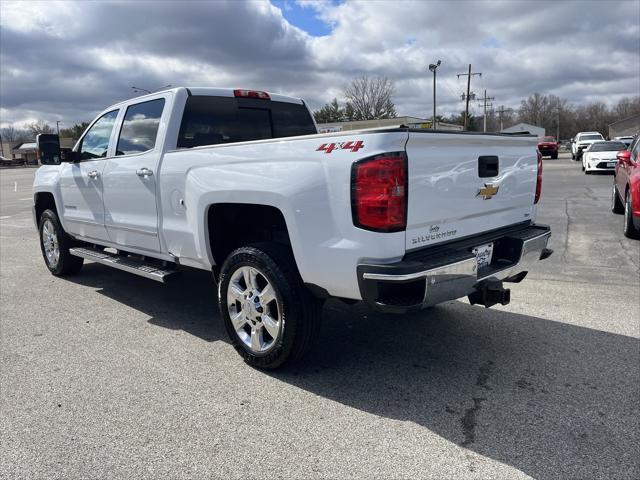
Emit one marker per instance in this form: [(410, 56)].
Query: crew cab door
[(81, 183), (129, 179)]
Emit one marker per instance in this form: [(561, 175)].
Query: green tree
[(330, 113), (75, 131)]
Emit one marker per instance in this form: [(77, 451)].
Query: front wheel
[(270, 316), (55, 245), (630, 230)]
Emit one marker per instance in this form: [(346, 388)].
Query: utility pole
[(558, 126), (433, 67), (485, 103), (500, 111), (466, 110), (58, 122)]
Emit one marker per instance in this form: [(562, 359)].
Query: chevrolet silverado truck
[(239, 183)]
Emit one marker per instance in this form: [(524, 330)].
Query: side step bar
[(127, 264)]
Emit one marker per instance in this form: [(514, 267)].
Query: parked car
[(625, 195), (626, 140), (239, 183), (548, 147), (601, 156), (581, 141)]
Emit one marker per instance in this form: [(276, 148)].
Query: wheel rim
[(50, 243), (254, 309), (613, 195)]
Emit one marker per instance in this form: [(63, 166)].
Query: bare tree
[(39, 127), (370, 98)]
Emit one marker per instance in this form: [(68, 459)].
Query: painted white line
[(28, 198), (15, 186), (5, 217)]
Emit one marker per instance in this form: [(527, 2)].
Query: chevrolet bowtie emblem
[(488, 191)]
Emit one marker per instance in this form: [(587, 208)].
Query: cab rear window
[(209, 120)]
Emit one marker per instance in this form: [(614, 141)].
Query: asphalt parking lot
[(108, 375)]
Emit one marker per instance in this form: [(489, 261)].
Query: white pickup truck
[(239, 183)]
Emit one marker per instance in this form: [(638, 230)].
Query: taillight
[(379, 192), (539, 179), (251, 94)]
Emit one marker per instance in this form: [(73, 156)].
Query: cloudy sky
[(68, 60)]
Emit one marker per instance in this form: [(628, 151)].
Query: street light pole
[(433, 67)]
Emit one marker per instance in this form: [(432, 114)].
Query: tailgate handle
[(488, 166)]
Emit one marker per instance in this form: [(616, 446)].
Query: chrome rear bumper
[(448, 272)]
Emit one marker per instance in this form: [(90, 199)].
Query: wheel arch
[(230, 225), (43, 201)]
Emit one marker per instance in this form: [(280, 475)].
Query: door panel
[(82, 199), (131, 215), (81, 183)]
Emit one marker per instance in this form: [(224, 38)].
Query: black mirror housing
[(68, 155), (48, 149)]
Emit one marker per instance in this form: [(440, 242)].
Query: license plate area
[(611, 164), (484, 254)]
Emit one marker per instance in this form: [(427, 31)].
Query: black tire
[(66, 264), (588, 172), (554, 156), (630, 231), (616, 204), (583, 167), (573, 156), (300, 312)]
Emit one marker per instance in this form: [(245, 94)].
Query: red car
[(548, 147), (625, 196)]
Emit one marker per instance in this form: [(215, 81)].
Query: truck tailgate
[(466, 184)]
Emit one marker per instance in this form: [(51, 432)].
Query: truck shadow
[(548, 398)]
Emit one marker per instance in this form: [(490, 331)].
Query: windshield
[(547, 139), (590, 137), (608, 147)]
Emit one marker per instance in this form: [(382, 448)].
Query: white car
[(601, 156), (627, 140), (581, 141)]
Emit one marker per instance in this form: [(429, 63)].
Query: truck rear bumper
[(448, 272)]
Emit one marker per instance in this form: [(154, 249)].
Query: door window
[(140, 127), (96, 142)]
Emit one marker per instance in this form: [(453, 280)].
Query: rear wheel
[(630, 230), (573, 156), (55, 245), (270, 316), (616, 204), (554, 156)]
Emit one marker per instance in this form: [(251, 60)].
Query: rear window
[(547, 139), (209, 120), (590, 137)]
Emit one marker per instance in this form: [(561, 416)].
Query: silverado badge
[(488, 191)]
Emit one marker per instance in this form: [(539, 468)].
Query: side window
[(140, 127), (96, 142), (636, 150)]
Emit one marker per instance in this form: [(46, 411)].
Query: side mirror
[(624, 156), (48, 149), (69, 155)]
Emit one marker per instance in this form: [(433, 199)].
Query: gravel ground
[(108, 375)]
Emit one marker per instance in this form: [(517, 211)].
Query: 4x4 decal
[(330, 147)]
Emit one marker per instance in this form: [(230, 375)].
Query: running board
[(127, 264)]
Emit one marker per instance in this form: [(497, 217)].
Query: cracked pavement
[(108, 375)]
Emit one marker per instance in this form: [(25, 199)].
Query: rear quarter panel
[(310, 187)]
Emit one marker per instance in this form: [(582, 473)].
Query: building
[(626, 127), (525, 128), (411, 122), (25, 152)]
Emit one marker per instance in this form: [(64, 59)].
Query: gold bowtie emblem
[(488, 191)]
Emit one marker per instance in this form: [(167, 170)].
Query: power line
[(466, 110), (501, 111)]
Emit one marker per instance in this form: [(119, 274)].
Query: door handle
[(93, 174), (144, 172)]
